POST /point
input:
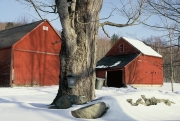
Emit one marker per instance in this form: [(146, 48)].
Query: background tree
[(80, 23), (169, 14), (103, 46), (18, 22), (9, 25), (114, 39)]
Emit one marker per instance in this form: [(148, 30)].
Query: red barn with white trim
[(131, 62)]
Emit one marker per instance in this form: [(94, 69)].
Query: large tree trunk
[(80, 23)]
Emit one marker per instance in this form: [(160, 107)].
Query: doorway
[(114, 78)]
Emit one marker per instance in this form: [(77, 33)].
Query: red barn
[(131, 62), (29, 55)]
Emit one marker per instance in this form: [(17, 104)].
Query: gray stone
[(129, 100), (90, 112), (133, 104), (143, 96), (139, 101), (150, 101), (154, 101), (63, 102), (167, 102)]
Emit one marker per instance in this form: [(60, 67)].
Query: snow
[(103, 66), (146, 50), (31, 104)]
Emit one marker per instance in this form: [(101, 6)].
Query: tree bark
[(80, 23)]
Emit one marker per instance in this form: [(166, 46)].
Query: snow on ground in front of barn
[(31, 104)]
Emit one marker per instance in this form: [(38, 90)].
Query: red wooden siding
[(144, 70), (101, 73), (32, 68), (36, 57), (127, 49), (40, 40)]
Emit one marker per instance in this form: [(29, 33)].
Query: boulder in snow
[(90, 112)]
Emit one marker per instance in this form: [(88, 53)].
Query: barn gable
[(128, 46), (10, 36)]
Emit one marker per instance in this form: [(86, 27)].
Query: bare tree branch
[(105, 32), (35, 7)]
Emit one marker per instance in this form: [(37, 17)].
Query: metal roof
[(10, 36), (143, 48), (118, 61)]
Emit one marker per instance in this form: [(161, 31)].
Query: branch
[(156, 6), (36, 9), (159, 27), (134, 18), (105, 32)]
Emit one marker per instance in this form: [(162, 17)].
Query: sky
[(11, 10), (31, 104)]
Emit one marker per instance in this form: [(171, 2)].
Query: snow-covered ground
[(31, 104)]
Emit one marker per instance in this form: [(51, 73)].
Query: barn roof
[(143, 48), (118, 61), (10, 36)]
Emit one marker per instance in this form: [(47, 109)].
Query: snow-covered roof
[(143, 48), (118, 61)]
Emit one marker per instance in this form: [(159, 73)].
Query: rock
[(139, 101), (63, 102), (143, 96), (149, 101), (154, 101), (167, 102), (129, 100), (134, 104), (90, 112)]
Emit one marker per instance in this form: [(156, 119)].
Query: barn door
[(114, 78)]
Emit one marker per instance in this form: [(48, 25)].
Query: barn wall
[(101, 73), (128, 49), (5, 62), (145, 70), (36, 57), (32, 68), (40, 40)]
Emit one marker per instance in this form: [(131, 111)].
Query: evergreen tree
[(114, 39)]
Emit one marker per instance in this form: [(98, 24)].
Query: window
[(121, 48)]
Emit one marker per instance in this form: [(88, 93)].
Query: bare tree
[(169, 13), (80, 22), (103, 46)]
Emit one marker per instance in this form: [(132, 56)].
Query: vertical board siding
[(40, 40), (5, 62), (127, 49), (36, 69), (101, 73), (36, 57), (145, 70)]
